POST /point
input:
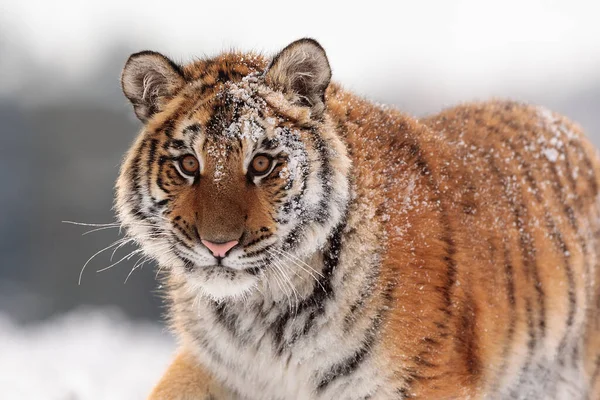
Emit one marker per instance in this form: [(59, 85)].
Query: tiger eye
[(189, 165), (260, 164)]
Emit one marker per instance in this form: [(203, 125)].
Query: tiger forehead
[(226, 67), (225, 103), (235, 112)]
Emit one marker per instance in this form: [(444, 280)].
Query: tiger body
[(382, 257)]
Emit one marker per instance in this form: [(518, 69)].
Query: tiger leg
[(186, 380)]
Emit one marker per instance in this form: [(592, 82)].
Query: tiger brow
[(269, 144), (177, 144), (193, 128), (192, 131)]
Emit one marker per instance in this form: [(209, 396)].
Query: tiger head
[(238, 165)]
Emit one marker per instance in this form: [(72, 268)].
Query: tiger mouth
[(191, 266)]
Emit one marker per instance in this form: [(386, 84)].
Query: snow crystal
[(551, 154)]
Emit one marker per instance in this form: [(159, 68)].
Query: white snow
[(551, 154), (83, 355)]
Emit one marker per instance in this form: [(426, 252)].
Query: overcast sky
[(446, 48)]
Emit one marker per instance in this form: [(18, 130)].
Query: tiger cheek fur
[(319, 246)]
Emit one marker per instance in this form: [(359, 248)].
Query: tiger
[(313, 244)]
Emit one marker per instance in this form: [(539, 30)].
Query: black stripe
[(175, 144), (135, 197), (193, 128), (568, 169), (365, 293), (589, 168), (450, 248), (205, 88), (253, 270), (510, 330), (325, 173), (151, 154), (468, 339), (557, 236), (531, 344), (529, 265), (269, 144), (566, 253), (331, 258), (352, 363), (224, 317), (560, 193), (509, 275), (403, 393), (527, 243), (414, 151), (163, 162), (524, 166), (179, 228), (315, 303), (321, 213), (258, 240), (562, 246), (528, 254), (256, 252), (291, 240)]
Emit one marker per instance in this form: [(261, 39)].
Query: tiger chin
[(316, 245)]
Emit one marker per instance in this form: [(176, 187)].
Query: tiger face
[(237, 165)]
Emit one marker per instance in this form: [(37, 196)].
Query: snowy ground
[(84, 355)]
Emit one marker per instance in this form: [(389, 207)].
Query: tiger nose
[(219, 249)]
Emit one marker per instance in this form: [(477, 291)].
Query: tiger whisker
[(128, 257), (298, 259), (296, 273), (131, 272), (163, 264), (281, 262), (94, 255), (158, 270), (130, 240), (307, 271), (288, 282), (278, 280), (286, 265), (100, 229), (90, 224), (119, 246), (117, 226), (138, 264)]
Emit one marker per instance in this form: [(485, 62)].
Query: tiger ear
[(302, 72), (148, 79)]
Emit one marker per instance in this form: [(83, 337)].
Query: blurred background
[(64, 127)]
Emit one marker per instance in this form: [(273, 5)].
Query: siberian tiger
[(319, 246)]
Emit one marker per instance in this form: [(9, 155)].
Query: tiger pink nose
[(219, 249)]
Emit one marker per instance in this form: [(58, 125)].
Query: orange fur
[(184, 380)]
